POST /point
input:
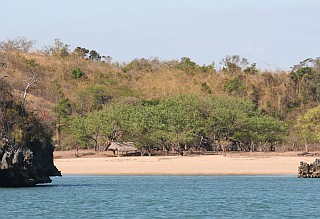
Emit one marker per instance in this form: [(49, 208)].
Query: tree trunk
[(306, 145), (58, 134), (95, 143), (76, 153)]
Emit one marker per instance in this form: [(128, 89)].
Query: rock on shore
[(20, 166), (311, 170)]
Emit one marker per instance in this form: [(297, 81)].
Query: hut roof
[(123, 146)]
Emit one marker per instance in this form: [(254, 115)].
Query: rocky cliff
[(21, 166), (26, 150)]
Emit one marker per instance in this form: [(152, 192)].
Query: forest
[(87, 100)]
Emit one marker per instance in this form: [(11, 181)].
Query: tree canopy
[(180, 121)]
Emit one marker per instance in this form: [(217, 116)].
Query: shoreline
[(203, 165), (186, 175)]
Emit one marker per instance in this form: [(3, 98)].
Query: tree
[(94, 125), (187, 65), (179, 123), (80, 52), (312, 86), (32, 80), (306, 80), (231, 119), (5, 60), (180, 118), (17, 123), (235, 85), (77, 127), (139, 65), (308, 126), (297, 77), (251, 69), (59, 49), (94, 56), (19, 44), (233, 64), (91, 98), (224, 116), (62, 110), (261, 130)]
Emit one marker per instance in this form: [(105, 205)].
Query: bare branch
[(18, 44), (4, 76), (32, 81)]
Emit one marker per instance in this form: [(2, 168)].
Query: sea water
[(165, 197)]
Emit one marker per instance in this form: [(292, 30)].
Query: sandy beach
[(231, 164)]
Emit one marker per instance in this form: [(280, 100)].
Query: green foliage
[(139, 65), (31, 62), (310, 86), (187, 65), (80, 52), (262, 129), (225, 115), (19, 126), (234, 85), (186, 62), (308, 125), (76, 126), (251, 69), (299, 75), (181, 120), (208, 68), (63, 108), (191, 67), (91, 98), (205, 88), (77, 73), (17, 134), (279, 94), (94, 56), (60, 49)]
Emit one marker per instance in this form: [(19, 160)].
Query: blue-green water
[(165, 197)]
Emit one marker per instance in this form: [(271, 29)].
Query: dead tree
[(31, 81)]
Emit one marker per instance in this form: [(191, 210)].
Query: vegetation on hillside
[(171, 105), (19, 127)]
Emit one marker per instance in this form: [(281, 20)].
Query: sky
[(275, 34)]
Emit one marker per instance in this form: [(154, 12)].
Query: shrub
[(77, 73)]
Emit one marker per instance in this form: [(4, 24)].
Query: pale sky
[(272, 33)]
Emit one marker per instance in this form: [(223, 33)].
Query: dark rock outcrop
[(312, 170), (26, 150), (20, 166)]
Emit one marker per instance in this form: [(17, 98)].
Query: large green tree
[(308, 126), (179, 123)]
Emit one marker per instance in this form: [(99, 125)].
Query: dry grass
[(273, 90)]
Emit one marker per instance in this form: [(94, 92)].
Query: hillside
[(73, 83)]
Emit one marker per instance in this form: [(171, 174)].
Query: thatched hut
[(122, 148)]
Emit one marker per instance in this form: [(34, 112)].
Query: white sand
[(195, 165)]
